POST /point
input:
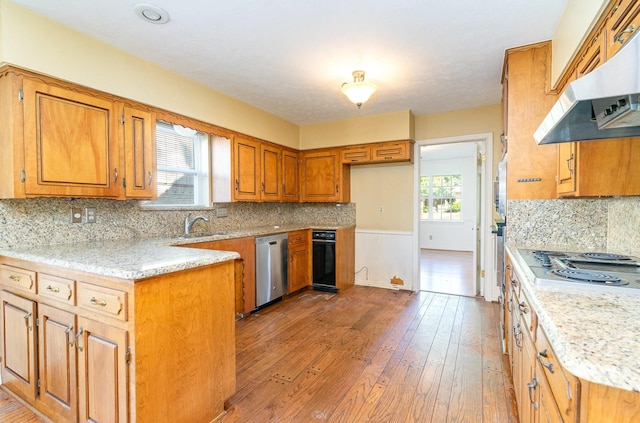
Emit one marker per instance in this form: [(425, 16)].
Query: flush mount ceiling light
[(358, 91), (150, 13)]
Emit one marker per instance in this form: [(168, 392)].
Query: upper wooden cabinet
[(290, 175), (532, 168), (246, 169), (390, 151), (138, 128), (324, 178), (623, 20), (271, 172), (70, 143), (63, 140)]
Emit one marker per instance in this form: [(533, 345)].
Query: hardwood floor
[(447, 272), (366, 355)]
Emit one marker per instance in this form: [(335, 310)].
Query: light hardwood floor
[(447, 272), (371, 355)]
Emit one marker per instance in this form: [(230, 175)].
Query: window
[(183, 170), (440, 197)]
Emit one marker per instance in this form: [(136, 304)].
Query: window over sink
[(183, 166)]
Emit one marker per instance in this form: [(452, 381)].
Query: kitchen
[(600, 223)]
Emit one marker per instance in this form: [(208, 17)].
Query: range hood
[(602, 104)]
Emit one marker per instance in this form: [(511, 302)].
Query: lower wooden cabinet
[(299, 260), (157, 349)]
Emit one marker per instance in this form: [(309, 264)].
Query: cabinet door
[(140, 154), (271, 171), (396, 151), (298, 269), (567, 161), (356, 154), (70, 143), (290, 176), (246, 169), (622, 23), (324, 178), (57, 359), (19, 345), (593, 57), (102, 373)]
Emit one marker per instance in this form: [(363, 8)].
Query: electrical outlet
[(76, 215), (380, 209), (90, 214), (430, 237), (222, 212)]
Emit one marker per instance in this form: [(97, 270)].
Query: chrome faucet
[(188, 223)]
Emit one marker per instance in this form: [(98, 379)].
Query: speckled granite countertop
[(140, 258), (596, 335)]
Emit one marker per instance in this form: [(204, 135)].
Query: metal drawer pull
[(531, 386), (517, 332), (95, 301), (52, 288), (150, 178), (67, 331), (26, 320), (523, 308), (621, 38), (549, 366), (115, 177), (14, 278)]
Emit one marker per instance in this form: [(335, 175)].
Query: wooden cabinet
[(246, 169), (62, 140), (389, 151), (138, 128), (299, 248), (290, 175), (345, 257), (532, 168), (324, 177), (623, 20), (89, 348), (271, 172), (71, 145), (593, 56)]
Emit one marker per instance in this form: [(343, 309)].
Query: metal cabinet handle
[(26, 320), (569, 160), (510, 304), (263, 187), (523, 308), (52, 288), (517, 335), (95, 301), (150, 178), (67, 331), (77, 336), (549, 366), (621, 37), (115, 175), (237, 184), (532, 386), (14, 278)]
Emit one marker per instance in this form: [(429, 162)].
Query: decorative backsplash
[(47, 221), (602, 224)]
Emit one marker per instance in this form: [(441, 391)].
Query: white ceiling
[(290, 57)]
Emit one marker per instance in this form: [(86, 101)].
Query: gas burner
[(605, 256), (589, 276)]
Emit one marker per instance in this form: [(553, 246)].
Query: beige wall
[(55, 50), (383, 127), (576, 21)]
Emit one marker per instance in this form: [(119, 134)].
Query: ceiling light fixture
[(358, 91), (150, 13)]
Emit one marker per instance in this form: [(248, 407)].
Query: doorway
[(453, 210)]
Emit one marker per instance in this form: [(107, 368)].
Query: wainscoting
[(381, 255)]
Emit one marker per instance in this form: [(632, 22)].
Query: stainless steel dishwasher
[(271, 268)]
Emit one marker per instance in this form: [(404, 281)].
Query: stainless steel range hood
[(602, 104)]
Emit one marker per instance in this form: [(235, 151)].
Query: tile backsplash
[(47, 221), (601, 224)]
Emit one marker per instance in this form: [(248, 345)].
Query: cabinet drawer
[(356, 154), (298, 238), (622, 23), (564, 386), (528, 316), (15, 277), (106, 301), (57, 288), (391, 152)]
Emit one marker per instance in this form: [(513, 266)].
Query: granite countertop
[(140, 258), (595, 334)]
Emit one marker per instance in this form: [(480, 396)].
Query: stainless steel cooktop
[(591, 271)]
